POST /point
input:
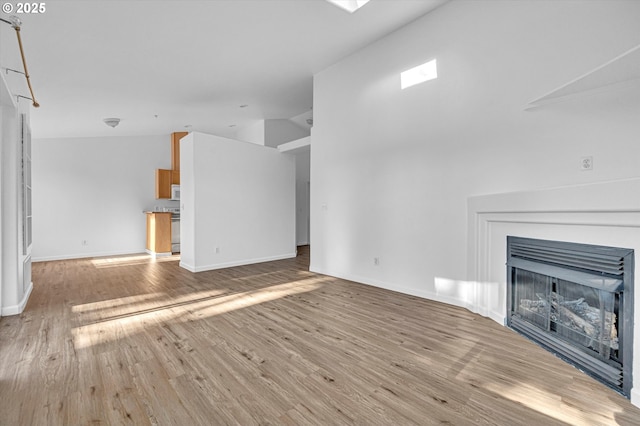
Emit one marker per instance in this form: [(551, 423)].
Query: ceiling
[(162, 65)]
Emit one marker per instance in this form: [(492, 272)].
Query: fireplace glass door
[(582, 316), (576, 301)]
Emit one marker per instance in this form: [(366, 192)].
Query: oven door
[(175, 234)]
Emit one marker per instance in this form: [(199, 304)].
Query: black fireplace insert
[(575, 300)]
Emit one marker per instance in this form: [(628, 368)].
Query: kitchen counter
[(174, 211), (159, 211)]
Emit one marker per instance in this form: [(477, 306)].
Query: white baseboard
[(498, 317), (405, 290), (242, 262), (86, 255), (158, 254), (188, 267), (495, 316), (17, 309)]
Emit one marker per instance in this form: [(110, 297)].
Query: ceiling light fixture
[(111, 122)]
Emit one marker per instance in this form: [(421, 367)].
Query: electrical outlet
[(376, 261), (586, 163)]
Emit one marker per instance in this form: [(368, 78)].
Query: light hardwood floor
[(128, 340)]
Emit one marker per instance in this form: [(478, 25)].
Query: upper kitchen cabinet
[(165, 178), (175, 149)]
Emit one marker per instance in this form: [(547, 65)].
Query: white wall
[(391, 169), (303, 172), (300, 149), (253, 133), (94, 189), (271, 132), (279, 131), (237, 203)]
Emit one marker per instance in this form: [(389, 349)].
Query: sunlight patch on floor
[(246, 299), (138, 259), (125, 322), (111, 303), (118, 308), (548, 403)]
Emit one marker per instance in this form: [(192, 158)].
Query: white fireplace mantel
[(606, 213)]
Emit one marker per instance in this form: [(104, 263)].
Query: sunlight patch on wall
[(420, 74), (463, 292)]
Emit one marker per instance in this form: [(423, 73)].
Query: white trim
[(158, 254), (236, 263), (188, 267), (86, 255), (394, 287), (607, 76), (17, 309), (295, 146)]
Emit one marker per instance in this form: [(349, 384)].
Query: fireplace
[(575, 300)]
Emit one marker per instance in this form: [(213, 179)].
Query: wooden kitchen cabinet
[(164, 179), (175, 149), (159, 233)]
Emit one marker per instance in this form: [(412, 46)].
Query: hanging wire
[(15, 24)]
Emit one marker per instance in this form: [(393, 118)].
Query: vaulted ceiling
[(160, 65)]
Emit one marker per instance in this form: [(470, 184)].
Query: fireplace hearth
[(576, 300)]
